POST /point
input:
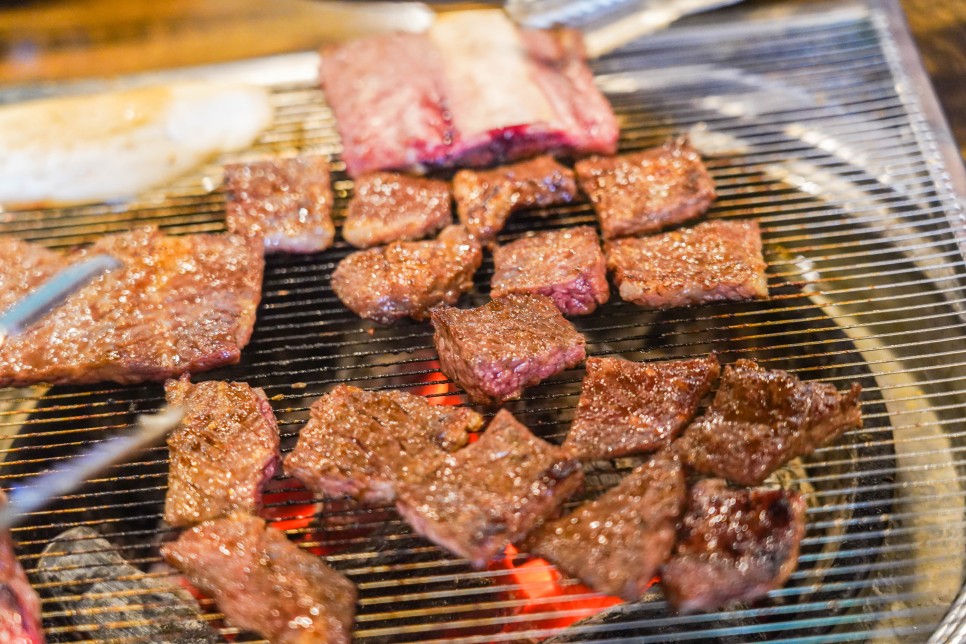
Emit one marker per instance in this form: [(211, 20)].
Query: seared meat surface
[(388, 207), (643, 192), (761, 419), (178, 304), (565, 265), (491, 493), (24, 267), (712, 262), (286, 201), (222, 453), (365, 443), (494, 351), (485, 198), (19, 603), (733, 545), (403, 279), (617, 543), (632, 408), (265, 583)]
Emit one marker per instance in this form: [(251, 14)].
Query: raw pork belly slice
[(617, 543), (222, 453), (287, 202), (265, 583), (485, 198), (403, 279), (491, 493), (179, 304), (118, 601), (760, 420), (733, 545), (712, 262), (646, 191), (565, 265), (365, 443), (632, 408), (387, 207), (493, 352), (19, 603), (473, 91), (386, 92)]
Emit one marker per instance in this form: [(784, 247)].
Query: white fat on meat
[(114, 145)]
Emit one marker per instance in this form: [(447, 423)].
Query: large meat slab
[(179, 304)]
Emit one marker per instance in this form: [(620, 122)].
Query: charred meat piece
[(631, 408), (265, 583), (712, 262), (408, 278), (646, 191), (287, 202), (760, 420), (365, 443), (733, 545), (485, 198), (19, 603), (617, 543), (565, 265), (491, 493), (494, 351), (111, 599), (389, 207), (178, 304), (223, 452)]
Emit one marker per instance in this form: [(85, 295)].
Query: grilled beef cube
[(494, 351), (110, 598), (408, 278), (485, 198), (365, 443), (733, 545), (565, 265), (178, 304), (712, 262), (760, 420), (644, 192), (389, 207), (263, 582), (19, 603), (491, 493), (222, 453), (287, 202), (631, 408), (617, 543)]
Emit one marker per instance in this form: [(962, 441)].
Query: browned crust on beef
[(388, 206)]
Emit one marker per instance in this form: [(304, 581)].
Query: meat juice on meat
[(495, 351), (387, 207), (222, 453), (404, 278)]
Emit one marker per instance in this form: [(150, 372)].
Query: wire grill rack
[(812, 122)]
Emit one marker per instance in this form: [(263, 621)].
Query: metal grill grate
[(817, 130)]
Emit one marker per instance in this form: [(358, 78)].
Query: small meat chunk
[(265, 583), (760, 420), (287, 202), (630, 408), (565, 265), (365, 443), (19, 603), (617, 543), (733, 545), (408, 278), (712, 262), (485, 198), (388, 207), (178, 304), (222, 453), (494, 351), (644, 192), (491, 493)]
